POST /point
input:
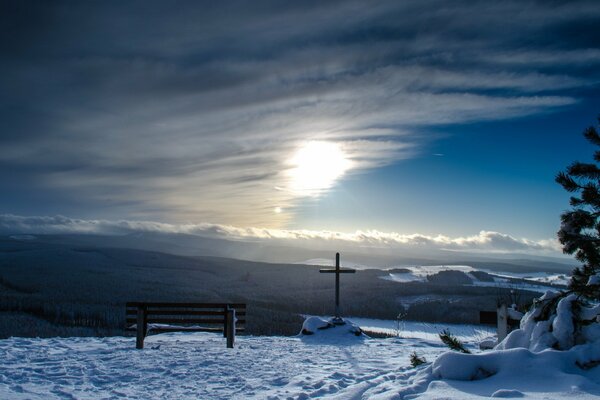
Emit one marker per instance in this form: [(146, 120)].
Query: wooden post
[(502, 322), (230, 327), (225, 321), (145, 321), (338, 314), (141, 327)]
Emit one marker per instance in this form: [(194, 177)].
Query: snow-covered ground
[(329, 364), (424, 330), (198, 366)]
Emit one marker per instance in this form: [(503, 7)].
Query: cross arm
[(341, 271)]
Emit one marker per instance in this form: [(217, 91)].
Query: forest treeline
[(71, 291)]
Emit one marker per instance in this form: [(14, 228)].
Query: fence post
[(140, 327), (230, 327), (502, 322)]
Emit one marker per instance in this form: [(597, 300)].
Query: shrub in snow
[(415, 360)]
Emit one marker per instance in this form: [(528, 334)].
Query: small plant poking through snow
[(415, 360), (452, 342)]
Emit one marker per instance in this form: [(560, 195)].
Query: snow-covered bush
[(556, 320)]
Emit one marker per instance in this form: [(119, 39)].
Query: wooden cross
[(337, 271)]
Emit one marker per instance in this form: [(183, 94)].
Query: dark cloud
[(484, 241), (188, 109)]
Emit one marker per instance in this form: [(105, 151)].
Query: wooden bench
[(146, 317)]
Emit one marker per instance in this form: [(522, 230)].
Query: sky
[(397, 120)]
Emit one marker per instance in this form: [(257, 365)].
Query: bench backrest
[(187, 316)]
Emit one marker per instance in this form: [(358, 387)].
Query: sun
[(316, 167)]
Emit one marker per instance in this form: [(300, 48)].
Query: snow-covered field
[(535, 281), (329, 364)]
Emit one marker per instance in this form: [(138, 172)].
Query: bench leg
[(230, 327), (141, 328)]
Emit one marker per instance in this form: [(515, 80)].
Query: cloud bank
[(191, 110), (484, 241)]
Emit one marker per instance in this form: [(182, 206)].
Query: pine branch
[(567, 182), (452, 342), (583, 170), (592, 135)]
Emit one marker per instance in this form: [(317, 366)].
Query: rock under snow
[(313, 325)]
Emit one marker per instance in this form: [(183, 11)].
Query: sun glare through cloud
[(316, 167)]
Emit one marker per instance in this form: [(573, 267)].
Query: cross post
[(337, 271)]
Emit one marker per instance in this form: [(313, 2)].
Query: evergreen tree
[(561, 320), (580, 229)]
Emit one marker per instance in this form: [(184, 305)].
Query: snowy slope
[(331, 364)]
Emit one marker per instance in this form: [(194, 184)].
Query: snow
[(470, 334), (197, 365), (404, 277), (514, 314), (329, 364), (563, 328), (594, 280), (313, 324), (550, 374)]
